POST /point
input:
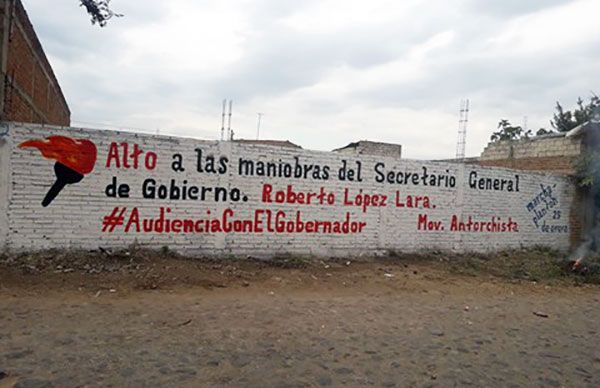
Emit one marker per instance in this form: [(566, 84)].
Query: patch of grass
[(536, 264), (415, 256), (288, 261)]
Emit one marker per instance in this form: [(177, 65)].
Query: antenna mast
[(229, 132), (223, 120), (463, 120)]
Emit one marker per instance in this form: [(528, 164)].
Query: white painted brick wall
[(74, 219)]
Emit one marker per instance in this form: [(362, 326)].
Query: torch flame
[(77, 154)]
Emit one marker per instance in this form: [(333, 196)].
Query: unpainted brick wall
[(553, 153), (31, 91), (75, 218), (580, 219), (557, 164)]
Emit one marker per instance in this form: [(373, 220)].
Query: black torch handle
[(53, 192)]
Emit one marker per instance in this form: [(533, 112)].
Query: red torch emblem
[(74, 158)]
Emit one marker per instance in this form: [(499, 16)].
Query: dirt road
[(329, 325)]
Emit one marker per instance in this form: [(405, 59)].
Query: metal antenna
[(223, 120), (260, 115), (229, 132), (525, 119), (463, 120)]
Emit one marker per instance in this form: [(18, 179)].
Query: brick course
[(557, 164)]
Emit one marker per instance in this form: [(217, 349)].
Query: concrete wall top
[(543, 146)]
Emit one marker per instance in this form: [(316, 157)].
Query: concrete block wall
[(542, 153), (383, 204), (30, 91)]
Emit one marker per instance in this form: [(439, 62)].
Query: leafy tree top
[(507, 131), (564, 121)]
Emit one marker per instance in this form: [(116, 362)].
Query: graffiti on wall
[(269, 220), (208, 197), (545, 209), (73, 159)]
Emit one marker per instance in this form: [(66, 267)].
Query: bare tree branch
[(99, 10)]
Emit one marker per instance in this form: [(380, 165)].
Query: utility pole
[(260, 115)]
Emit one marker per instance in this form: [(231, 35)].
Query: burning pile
[(578, 266), (586, 258)]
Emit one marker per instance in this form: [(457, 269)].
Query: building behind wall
[(366, 147), (278, 143), (29, 91)]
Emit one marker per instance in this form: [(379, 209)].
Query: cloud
[(324, 72), (509, 8)]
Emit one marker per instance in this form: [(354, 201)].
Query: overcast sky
[(324, 72)]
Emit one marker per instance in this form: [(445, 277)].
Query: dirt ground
[(170, 322)]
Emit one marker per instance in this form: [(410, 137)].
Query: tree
[(587, 168), (564, 121), (509, 132), (543, 131), (99, 10)]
